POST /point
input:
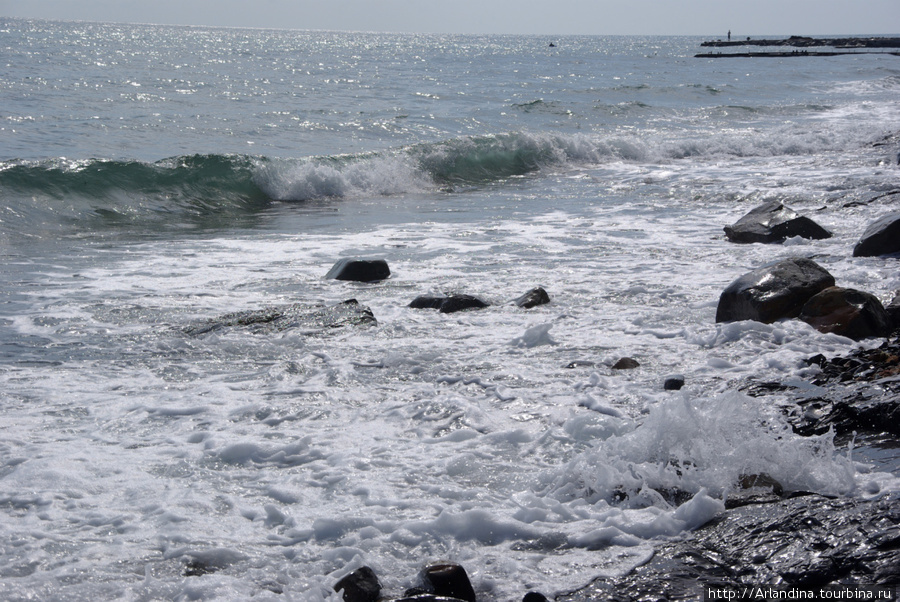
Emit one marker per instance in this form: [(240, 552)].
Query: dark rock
[(808, 541), (773, 292), (359, 586), (297, 315), (847, 312), (359, 270), (626, 363), (535, 597), (674, 382), (448, 304), (533, 298), (882, 237), (450, 580), (893, 310), (773, 222)]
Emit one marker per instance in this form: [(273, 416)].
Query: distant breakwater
[(806, 42)]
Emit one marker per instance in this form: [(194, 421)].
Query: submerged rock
[(847, 312), (297, 315), (533, 298), (773, 292), (674, 382), (772, 222), (626, 363), (359, 270), (448, 304), (882, 237)]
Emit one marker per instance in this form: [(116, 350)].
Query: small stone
[(674, 382), (533, 298)]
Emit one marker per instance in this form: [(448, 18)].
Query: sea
[(155, 178)]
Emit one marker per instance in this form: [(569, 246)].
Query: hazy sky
[(690, 17)]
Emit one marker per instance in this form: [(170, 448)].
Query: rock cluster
[(800, 288), (441, 582)]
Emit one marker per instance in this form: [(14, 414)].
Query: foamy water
[(133, 453)]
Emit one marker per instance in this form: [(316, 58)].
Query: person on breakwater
[(729, 35)]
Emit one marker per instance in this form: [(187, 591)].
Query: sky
[(713, 18)]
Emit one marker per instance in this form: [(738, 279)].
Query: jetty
[(802, 46)]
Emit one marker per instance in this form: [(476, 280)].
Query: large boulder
[(772, 222), (882, 237), (847, 312), (773, 292), (359, 270)]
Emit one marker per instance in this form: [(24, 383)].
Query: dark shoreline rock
[(448, 304), (773, 222), (882, 237), (809, 541), (359, 270)]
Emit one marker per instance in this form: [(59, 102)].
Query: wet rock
[(276, 319), (847, 312), (674, 382), (809, 541), (882, 237), (359, 270), (626, 363), (447, 304), (359, 586), (773, 292), (533, 298), (857, 395), (893, 310), (450, 580), (772, 222)]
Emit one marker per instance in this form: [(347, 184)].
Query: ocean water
[(153, 178)]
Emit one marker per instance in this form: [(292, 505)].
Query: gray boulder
[(772, 222), (882, 237), (847, 312), (773, 292), (359, 270)]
